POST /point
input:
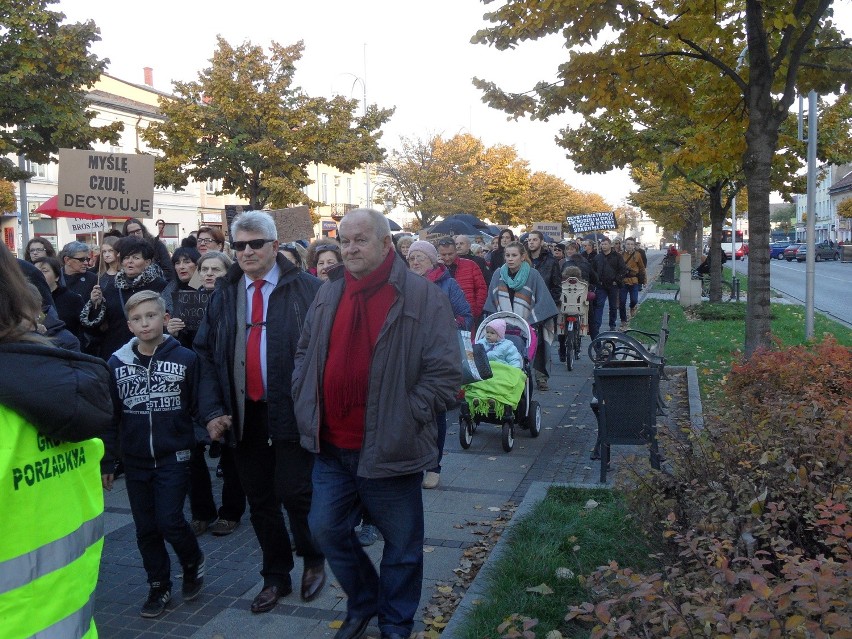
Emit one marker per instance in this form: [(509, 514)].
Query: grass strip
[(560, 532), (711, 336)]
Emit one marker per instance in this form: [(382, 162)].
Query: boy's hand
[(217, 426), (107, 480)]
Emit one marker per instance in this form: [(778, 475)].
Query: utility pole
[(810, 207), (25, 209)]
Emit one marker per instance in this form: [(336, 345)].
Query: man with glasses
[(246, 346), (75, 274)]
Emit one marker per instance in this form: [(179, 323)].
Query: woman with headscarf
[(423, 260), (517, 287)]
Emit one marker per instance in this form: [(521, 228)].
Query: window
[(170, 236), (211, 186), (349, 190), (38, 170), (324, 194)]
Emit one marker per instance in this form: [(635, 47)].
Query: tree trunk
[(765, 118), (717, 221), (687, 236)]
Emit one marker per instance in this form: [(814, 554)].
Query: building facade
[(827, 224)]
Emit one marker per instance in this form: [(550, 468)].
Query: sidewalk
[(472, 481)]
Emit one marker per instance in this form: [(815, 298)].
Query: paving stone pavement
[(472, 481)]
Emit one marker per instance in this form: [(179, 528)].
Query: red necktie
[(254, 373)]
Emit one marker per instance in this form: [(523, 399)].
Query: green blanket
[(505, 387)]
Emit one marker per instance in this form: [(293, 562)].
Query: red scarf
[(360, 316)]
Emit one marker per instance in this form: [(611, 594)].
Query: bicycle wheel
[(727, 291), (705, 287), (569, 343), (677, 294)]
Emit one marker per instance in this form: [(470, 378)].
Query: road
[(832, 291)]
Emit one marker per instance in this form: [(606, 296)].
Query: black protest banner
[(592, 222), (190, 306)]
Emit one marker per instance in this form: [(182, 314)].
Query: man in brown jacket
[(377, 359)]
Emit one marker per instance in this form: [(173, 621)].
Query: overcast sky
[(417, 57)]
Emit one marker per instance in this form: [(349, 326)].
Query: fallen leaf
[(494, 509), (492, 459), (591, 504), (445, 590), (336, 624), (428, 548), (542, 589), (564, 573)]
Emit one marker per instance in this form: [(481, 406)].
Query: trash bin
[(846, 253), (627, 395)]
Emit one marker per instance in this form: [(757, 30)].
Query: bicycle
[(573, 317), (727, 288)]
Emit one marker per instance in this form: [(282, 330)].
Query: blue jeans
[(604, 295), (156, 499), (441, 421), (395, 505), (633, 291)]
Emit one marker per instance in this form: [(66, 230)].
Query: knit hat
[(426, 248), (499, 327)]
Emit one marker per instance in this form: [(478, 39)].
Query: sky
[(415, 56)]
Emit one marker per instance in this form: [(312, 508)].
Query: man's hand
[(217, 426), (175, 325), (107, 480)]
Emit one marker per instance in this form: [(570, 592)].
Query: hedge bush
[(754, 516)]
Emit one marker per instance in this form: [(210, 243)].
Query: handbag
[(590, 296), (475, 364)]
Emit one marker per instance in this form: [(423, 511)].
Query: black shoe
[(562, 354), (158, 597), (394, 635), (353, 628), (193, 579)]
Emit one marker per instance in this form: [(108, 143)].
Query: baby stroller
[(573, 319), (527, 414)]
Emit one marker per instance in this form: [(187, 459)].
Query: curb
[(696, 408), (535, 494)]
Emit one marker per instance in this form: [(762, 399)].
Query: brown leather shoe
[(268, 597), (313, 579)]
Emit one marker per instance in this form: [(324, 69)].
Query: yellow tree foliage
[(7, 197), (844, 209)]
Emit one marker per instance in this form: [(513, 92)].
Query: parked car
[(790, 252), (825, 250), (742, 252), (776, 250)]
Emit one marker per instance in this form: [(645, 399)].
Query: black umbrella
[(454, 227), (393, 225), (474, 221), (493, 230), (595, 237)]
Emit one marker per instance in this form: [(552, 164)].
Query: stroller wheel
[(465, 432), (508, 436), (534, 419)]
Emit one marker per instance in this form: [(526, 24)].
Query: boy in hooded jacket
[(154, 389)]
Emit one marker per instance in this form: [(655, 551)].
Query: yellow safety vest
[(51, 532)]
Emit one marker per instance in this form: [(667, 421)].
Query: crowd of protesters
[(294, 380)]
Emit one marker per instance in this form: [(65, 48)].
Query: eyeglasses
[(79, 259), (136, 232), (204, 240), (241, 245), (327, 247), (446, 242), (39, 249)]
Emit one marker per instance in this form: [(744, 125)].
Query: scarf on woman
[(145, 277), (532, 301), (360, 316), (517, 282)]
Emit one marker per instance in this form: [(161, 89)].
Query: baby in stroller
[(497, 347), (506, 385)]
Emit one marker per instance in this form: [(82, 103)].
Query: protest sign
[(293, 224), (190, 306), (592, 222), (554, 229), (108, 184), (81, 226)]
